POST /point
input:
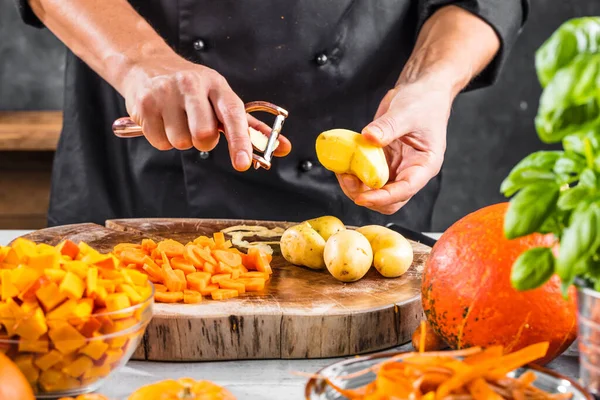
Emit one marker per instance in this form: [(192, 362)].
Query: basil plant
[(558, 192)]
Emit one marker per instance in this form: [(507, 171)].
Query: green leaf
[(568, 167), (532, 269), (580, 240), (535, 167), (569, 199), (575, 143), (571, 102), (530, 208), (578, 35), (589, 179)]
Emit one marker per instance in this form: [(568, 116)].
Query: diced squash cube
[(97, 372), (117, 301), (108, 284), (66, 338), (112, 356), (48, 360), (53, 380), (31, 327), (33, 346), (49, 296), (100, 298), (138, 278), (77, 267), (29, 307), (68, 248), (28, 294), (224, 294), (24, 248), (231, 284), (78, 367), (63, 312), (82, 311), (91, 281), (133, 295), (90, 326), (94, 349), (72, 286), (9, 290), (11, 257), (40, 261), (23, 276), (85, 249), (25, 364), (56, 275)]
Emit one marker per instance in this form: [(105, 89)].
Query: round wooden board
[(301, 313)]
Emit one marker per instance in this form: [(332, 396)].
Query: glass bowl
[(318, 389), (77, 354)]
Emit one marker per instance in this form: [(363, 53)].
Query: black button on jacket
[(328, 62)]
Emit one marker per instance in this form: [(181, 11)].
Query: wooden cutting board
[(301, 313)]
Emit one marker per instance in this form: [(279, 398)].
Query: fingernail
[(350, 183), (242, 160)]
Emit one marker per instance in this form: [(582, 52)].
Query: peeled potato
[(392, 253), (346, 152), (348, 255), (326, 226)]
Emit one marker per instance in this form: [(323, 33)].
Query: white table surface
[(247, 380)]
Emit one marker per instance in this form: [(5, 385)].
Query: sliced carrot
[(223, 268), (171, 279), (168, 297), (198, 280), (227, 245), (208, 290), (182, 264), (148, 245), (219, 238), (125, 246), (159, 287), (204, 253), (235, 273), (227, 257), (224, 294), (171, 248), (133, 256), (192, 257), (243, 269), (181, 277), (231, 284), (219, 277), (210, 268), (204, 241), (191, 297), (253, 284), (255, 274), (153, 271)]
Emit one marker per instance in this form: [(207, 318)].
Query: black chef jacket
[(328, 62)]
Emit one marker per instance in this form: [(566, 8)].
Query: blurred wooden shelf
[(29, 130)]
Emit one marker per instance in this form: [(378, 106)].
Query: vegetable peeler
[(126, 128)]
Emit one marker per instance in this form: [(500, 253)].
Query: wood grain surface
[(301, 313), (30, 130)]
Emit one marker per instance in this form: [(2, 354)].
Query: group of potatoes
[(347, 254)]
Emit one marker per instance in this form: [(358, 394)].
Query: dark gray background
[(490, 129)]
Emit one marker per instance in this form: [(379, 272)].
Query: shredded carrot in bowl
[(469, 374)]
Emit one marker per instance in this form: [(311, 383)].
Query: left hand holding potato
[(410, 125)]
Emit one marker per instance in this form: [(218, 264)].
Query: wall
[(489, 132)]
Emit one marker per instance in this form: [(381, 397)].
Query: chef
[(387, 68)]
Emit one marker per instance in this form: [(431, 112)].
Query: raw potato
[(326, 226), (302, 245), (346, 152), (392, 253), (348, 255)]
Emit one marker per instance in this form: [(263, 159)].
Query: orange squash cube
[(23, 277), (77, 267), (33, 346), (11, 257), (78, 367), (68, 248), (49, 296), (112, 356), (62, 312), (42, 260), (82, 311), (117, 301), (48, 360), (72, 286), (138, 278), (31, 327), (66, 338), (90, 326), (56, 275), (97, 372), (133, 295), (9, 290), (91, 281), (24, 248), (94, 349), (25, 364)]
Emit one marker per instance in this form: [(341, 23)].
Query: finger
[(385, 103), (146, 113), (387, 128), (230, 111), (176, 127), (407, 184), (351, 185), (202, 123), (285, 146)]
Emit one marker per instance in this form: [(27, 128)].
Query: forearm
[(108, 35), (452, 48)]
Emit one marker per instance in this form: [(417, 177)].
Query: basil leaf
[(575, 143), (580, 240), (571, 102), (533, 168), (529, 209), (569, 199), (588, 179), (532, 269), (578, 35)]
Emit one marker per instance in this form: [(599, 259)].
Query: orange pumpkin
[(468, 298), (182, 389), (13, 384)]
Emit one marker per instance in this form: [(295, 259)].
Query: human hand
[(410, 124), (180, 104)]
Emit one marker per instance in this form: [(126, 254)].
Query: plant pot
[(588, 318)]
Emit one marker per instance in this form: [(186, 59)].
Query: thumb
[(385, 129)]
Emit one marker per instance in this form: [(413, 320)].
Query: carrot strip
[(168, 297)]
